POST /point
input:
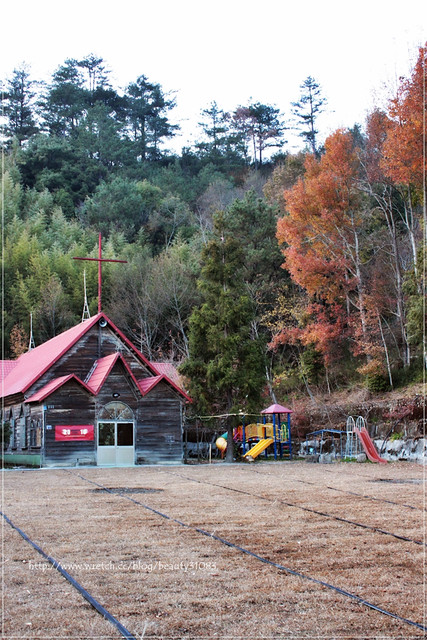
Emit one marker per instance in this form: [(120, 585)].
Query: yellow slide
[(259, 448)]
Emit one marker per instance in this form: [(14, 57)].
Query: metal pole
[(274, 433), (243, 435), (265, 436), (99, 273)]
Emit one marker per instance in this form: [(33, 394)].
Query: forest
[(258, 272)]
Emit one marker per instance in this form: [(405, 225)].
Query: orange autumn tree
[(404, 159), (322, 237), (387, 204), (404, 152), (394, 178)]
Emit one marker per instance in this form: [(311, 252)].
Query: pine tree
[(19, 107), (306, 110)]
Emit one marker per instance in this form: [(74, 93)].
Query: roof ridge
[(33, 364)]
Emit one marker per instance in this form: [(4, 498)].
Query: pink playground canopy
[(277, 408)]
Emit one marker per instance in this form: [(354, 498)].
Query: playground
[(273, 435), (264, 550)]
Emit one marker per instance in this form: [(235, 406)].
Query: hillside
[(400, 411), (250, 270)]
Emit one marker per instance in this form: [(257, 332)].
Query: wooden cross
[(99, 260)]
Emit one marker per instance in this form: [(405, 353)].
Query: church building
[(89, 397)]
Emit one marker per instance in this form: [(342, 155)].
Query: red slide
[(368, 445)]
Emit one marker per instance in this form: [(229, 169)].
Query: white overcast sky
[(230, 51)]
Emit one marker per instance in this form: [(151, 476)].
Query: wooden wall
[(70, 405), (158, 438), (159, 434)]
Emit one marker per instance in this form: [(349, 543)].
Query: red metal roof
[(94, 384), (28, 368), (169, 370), (32, 365), (102, 368), (52, 386), (6, 367), (276, 408), (146, 384)]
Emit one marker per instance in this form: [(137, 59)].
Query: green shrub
[(377, 382)]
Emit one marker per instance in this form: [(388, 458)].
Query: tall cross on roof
[(99, 260)]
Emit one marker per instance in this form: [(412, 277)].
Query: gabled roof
[(52, 386), (32, 365), (94, 386), (146, 384), (169, 370), (101, 370)]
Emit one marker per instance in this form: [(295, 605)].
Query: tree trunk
[(385, 351), (229, 456), (270, 384)]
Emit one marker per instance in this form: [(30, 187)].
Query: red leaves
[(338, 250), (403, 147), (320, 218), (324, 327)]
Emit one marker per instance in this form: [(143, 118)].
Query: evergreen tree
[(223, 145), (19, 107), (116, 205), (97, 75), (306, 110), (146, 108), (65, 101), (226, 363), (253, 222), (99, 138), (59, 165), (261, 125)]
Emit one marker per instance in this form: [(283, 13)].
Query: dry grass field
[(164, 580)]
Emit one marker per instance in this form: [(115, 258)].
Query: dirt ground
[(161, 579)]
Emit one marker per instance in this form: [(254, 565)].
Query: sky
[(230, 51)]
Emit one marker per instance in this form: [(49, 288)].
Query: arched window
[(115, 411)]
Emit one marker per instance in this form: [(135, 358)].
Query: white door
[(116, 443)]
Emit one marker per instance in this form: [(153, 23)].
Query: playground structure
[(257, 437), (352, 444), (357, 441)]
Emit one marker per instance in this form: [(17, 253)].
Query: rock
[(361, 457), (314, 458), (326, 458)]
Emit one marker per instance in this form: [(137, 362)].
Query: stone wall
[(410, 449)]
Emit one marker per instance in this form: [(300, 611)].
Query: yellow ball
[(221, 443)]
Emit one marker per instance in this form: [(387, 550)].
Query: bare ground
[(165, 580)]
